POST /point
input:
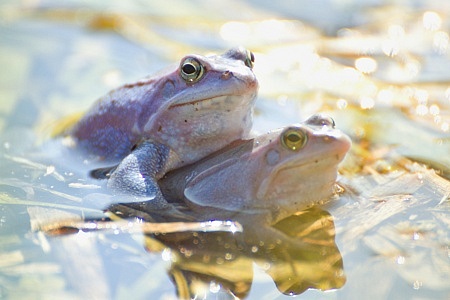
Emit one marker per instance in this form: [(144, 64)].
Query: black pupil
[(252, 57), (293, 138), (189, 69)]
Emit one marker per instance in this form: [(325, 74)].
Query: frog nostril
[(226, 75)]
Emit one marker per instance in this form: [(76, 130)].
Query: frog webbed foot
[(155, 207), (152, 203), (134, 180)]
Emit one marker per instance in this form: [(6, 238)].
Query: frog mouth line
[(216, 99), (333, 159)]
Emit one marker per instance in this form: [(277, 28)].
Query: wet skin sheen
[(281, 172), (169, 120), (194, 108)]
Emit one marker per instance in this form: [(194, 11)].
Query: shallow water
[(380, 71)]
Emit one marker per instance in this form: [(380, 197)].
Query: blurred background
[(381, 69)]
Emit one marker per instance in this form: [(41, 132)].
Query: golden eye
[(191, 70), (250, 59), (294, 139)]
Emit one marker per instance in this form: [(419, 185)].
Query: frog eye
[(250, 59), (321, 120), (191, 70), (294, 139)]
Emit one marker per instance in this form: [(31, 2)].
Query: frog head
[(207, 103), (283, 171)]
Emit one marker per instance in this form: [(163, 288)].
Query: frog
[(169, 120), (277, 173), (194, 108)]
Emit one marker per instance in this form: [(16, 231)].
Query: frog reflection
[(301, 256)]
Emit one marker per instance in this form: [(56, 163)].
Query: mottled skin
[(169, 120), (265, 173), (193, 116)]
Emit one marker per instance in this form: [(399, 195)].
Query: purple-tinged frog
[(169, 120), (194, 108), (280, 172)]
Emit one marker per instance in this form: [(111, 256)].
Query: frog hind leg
[(134, 180)]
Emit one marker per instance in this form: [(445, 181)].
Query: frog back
[(113, 125)]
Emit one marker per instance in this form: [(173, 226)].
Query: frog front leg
[(134, 180)]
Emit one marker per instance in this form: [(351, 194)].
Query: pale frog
[(169, 120), (194, 108), (281, 172)]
